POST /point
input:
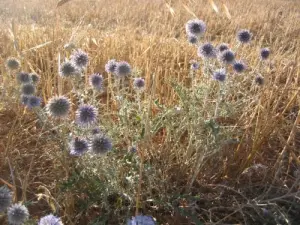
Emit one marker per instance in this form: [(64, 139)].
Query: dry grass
[(150, 35)]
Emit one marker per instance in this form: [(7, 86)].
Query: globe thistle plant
[(141, 220), (17, 214), (80, 59), (219, 75), (139, 84), (207, 51), (195, 27), (110, 66), (34, 78), (5, 198), (100, 144), (192, 39), (23, 77), (222, 47), (12, 63), (227, 56), (244, 36), (122, 69), (86, 115), (239, 67), (58, 107), (259, 80), (78, 146), (68, 69), (264, 53), (96, 81), (28, 89), (50, 220), (33, 101)]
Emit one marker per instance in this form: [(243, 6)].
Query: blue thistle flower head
[(110, 66), (192, 39), (139, 83), (58, 107), (34, 78), (78, 146), (239, 67), (12, 63), (227, 57), (219, 75), (28, 89), (141, 220), (95, 131), (264, 53), (5, 198), (80, 58), (96, 81), (132, 149), (23, 77), (50, 220), (207, 51), (259, 80), (244, 36), (222, 47), (101, 144), (86, 115), (195, 27), (122, 69), (17, 214), (68, 69), (194, 65), (33, 101)]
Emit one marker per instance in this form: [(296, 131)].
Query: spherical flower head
[(34, 78), (95, 131), (17, 214), (207, 51), (78, 146), (50, 220), (33, 101), (28, 89), (219, 75), (239, 67), (5, 198), (58, 107), (141, 220), (110, 66), (122, 69), (195, 27), (139, 83), (12, 63), (222, 47), (227, 57), (68, 69), (80, 58), (264, 53), (132, 149), (23, 77), (244, 36), (194, 65), (86, 115), (259, 80), (101, 144), (192, 39), (96, 81)]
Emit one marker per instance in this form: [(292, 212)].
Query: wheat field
[(252, 181)]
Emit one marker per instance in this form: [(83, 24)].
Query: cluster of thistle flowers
[(27, 82), (18, 214), (196, 29)]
